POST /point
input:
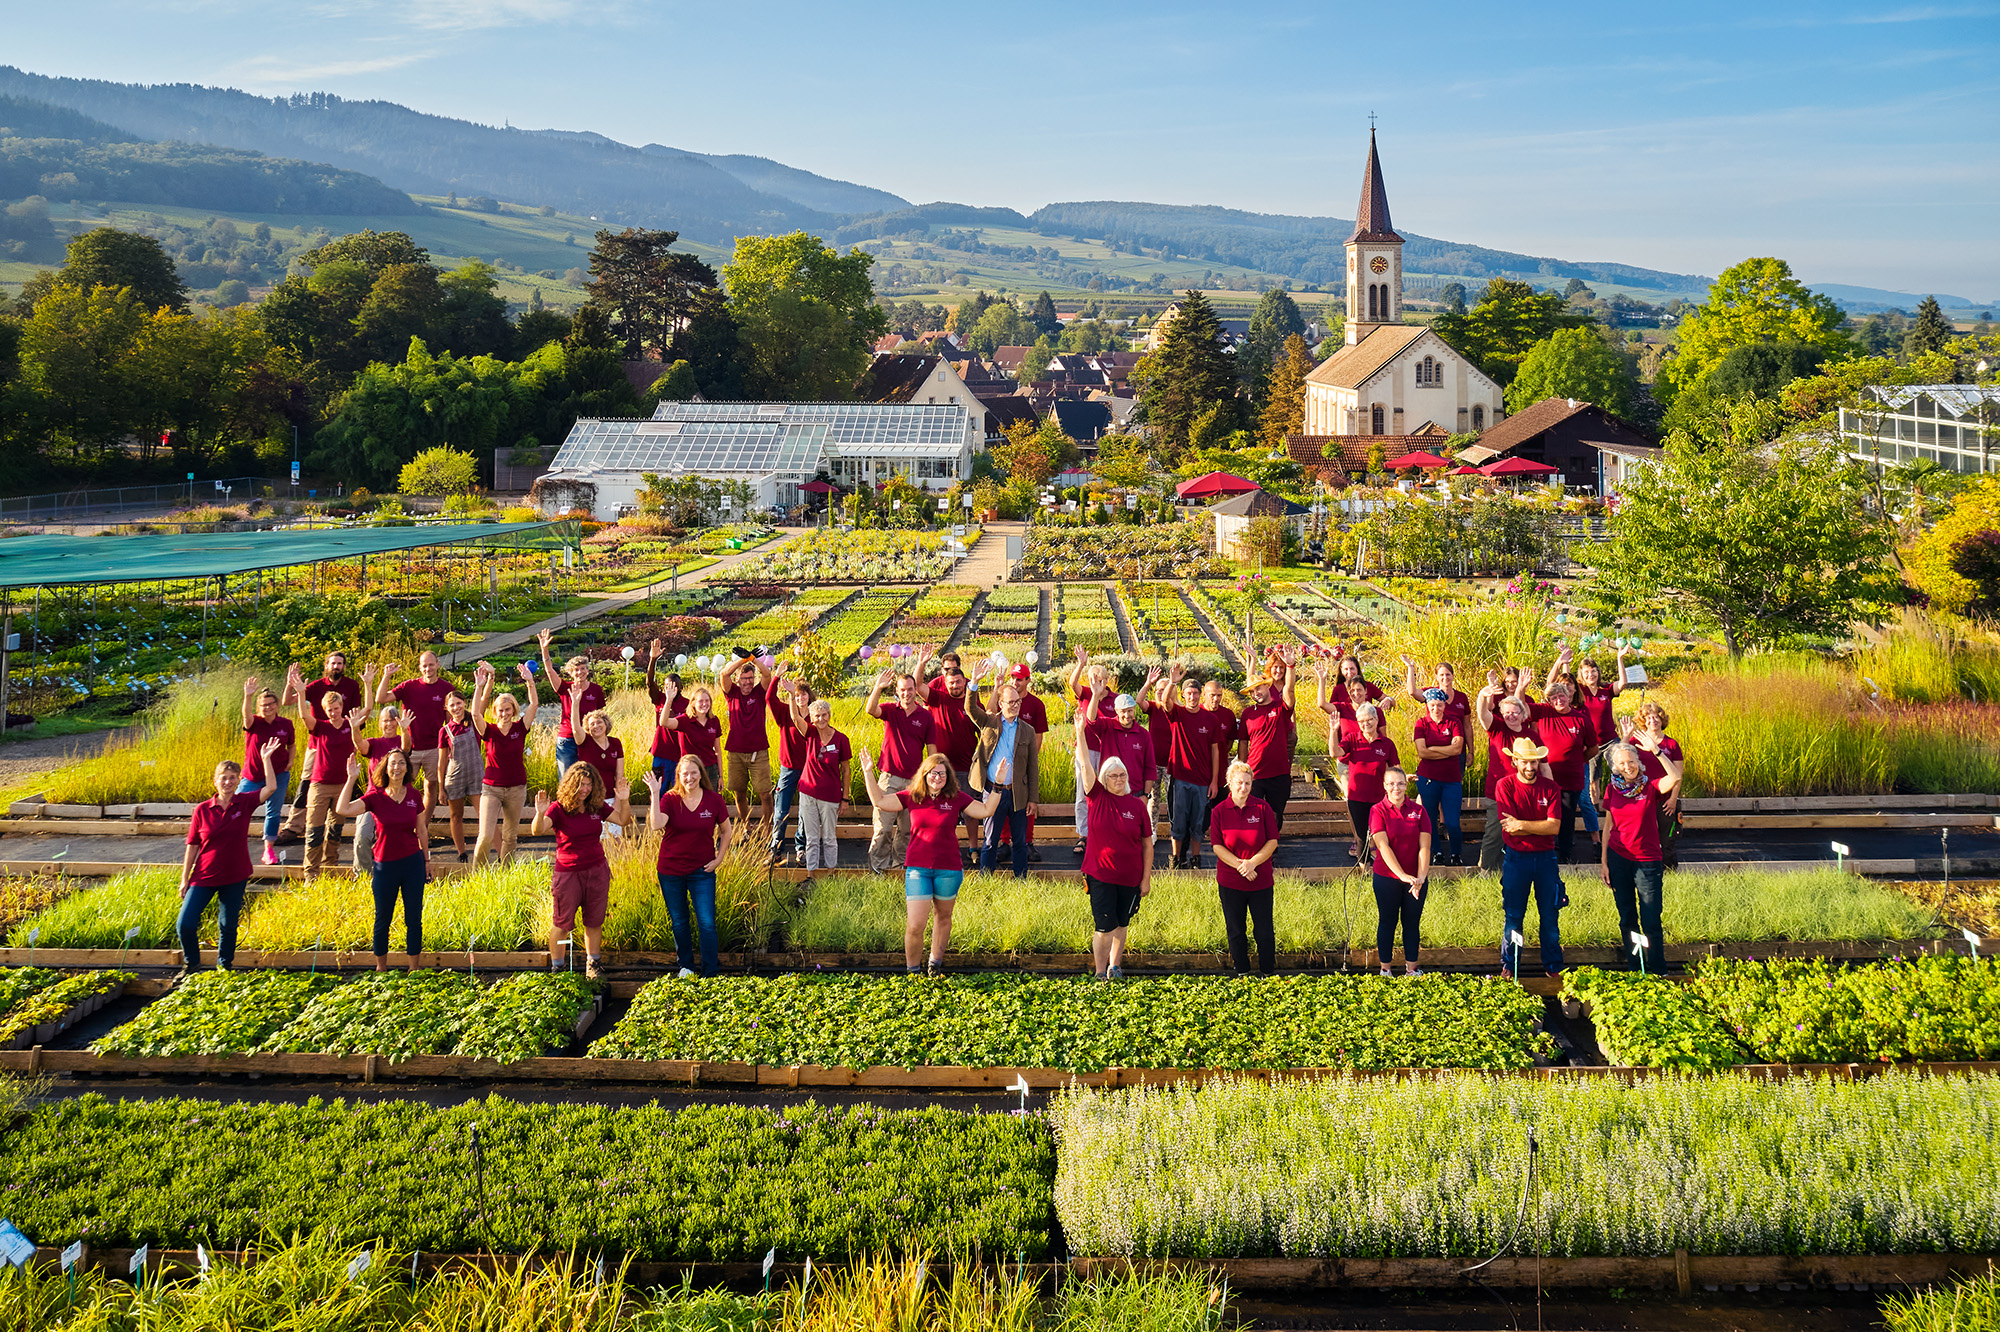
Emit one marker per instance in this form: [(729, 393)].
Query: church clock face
[(1378, 265)]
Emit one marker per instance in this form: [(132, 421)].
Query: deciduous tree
[(1755, 301), (1573, 363), (1755, 542), (807, 313), (108, 257), (1509, 320)]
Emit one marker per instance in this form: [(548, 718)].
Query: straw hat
[(1524, 748)]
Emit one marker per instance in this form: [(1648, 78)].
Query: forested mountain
[(1309, 248), (801, 187), (581, 173), (61, 154)]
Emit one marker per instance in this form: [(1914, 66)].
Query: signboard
[(295, 471), (1015, 543)]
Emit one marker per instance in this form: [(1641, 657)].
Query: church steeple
[(1374, 257), (1371, 215)]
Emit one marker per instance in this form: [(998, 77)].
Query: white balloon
[(681, 659), (630, 652), (1031, 656), (999, 657)]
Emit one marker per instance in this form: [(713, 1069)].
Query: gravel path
[(22, 759)]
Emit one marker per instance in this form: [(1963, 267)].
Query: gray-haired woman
[(1632, 863)]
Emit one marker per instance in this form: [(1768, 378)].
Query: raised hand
[(653, 781), (271, 747), (1004, 774), (545, 637), (522, 667), (1408, 660), (1082, 655), (353, 767), (1492, 681), (885, 679), (653, 651), (405, 719), (391, 668), (250, 687), (541, 803), (867, 761)]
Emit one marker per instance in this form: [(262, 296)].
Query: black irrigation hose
[(1514, 1234), (479, 1171)]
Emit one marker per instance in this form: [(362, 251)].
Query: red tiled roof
[(1349, 453)]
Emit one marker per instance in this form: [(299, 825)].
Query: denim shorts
[(941, 884)]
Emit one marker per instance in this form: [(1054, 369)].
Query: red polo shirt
[(1531, 802)]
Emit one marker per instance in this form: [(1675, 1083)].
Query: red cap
[(1020, 671)]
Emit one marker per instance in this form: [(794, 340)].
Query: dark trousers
[(399, 878), (1572, 807), (1237, 904), (784, 799), (1394, 904), (696, 890), (1275, 792), (1442, 801), (1522, 872), (1357, 813), (1015, 823), (188, 923), (1490, 845), (1635, 887)]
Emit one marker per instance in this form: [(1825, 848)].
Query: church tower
[(1374, 257)]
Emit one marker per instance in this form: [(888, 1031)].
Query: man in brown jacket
[(1005, 734)]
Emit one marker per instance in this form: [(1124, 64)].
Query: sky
[(1857, 139)]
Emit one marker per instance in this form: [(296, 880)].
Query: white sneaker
[(687, 973), (1386, 972)]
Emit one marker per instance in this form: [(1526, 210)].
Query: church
[(1390, 378)]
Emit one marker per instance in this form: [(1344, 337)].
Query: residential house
[(1565, 433), (1082, 421)]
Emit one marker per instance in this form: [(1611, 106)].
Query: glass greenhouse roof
[(761, 439)]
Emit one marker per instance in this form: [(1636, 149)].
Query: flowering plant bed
[(1179, 550)]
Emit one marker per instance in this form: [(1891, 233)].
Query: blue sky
[(1857, 140)]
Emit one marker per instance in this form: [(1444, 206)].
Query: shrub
[(439, 471)]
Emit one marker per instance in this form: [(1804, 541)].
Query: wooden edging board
[(1679, 1270), (1136, 961), (934, 1077)]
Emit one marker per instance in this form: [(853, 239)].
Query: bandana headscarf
[(1436, 695)]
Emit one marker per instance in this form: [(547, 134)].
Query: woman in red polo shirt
[(1564, 730), (402, 812), (1370, 756), (1649, 733), (504, 782), (1264, 737), (1243, 829), (217, 862), (696, 829), (1400, 828), (1118, 866), (582, 879), (932, 870), (1633, 865), (603, 751), (699, 731)]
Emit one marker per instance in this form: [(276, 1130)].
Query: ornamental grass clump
[(147, 899), (713, 1183), (169, 758), (1435, 1167), (503, 907)]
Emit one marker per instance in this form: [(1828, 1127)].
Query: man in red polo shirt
[(1503, 716), (746, 753), (908, 732), (352, 697), (1527, 805)]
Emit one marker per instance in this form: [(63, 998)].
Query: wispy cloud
[(1910, 14), (267, 70)]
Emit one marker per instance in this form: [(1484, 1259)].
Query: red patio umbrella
[(1215, 483), (818, 487), (1467, 470), (1426, 461), (1518, 467)]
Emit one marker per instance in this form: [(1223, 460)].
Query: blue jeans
[(1588, 808), (1187, 815), (403, 878), (565, 754), (1521, 871), (784, 798), (1015, 821), (274, 808), (698, 890), (1443, 802), (188, 923)]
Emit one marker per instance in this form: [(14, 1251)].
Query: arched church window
[(1478, 417), (1376, 415)]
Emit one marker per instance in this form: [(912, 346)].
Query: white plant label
[(807, 1283), (770, 1261), (72, 1255), (1840, 849), (33, 935), (201, 1258), (360, 1263), (1515, 937), (1639, 941), (131, 934), (138, 1264)]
